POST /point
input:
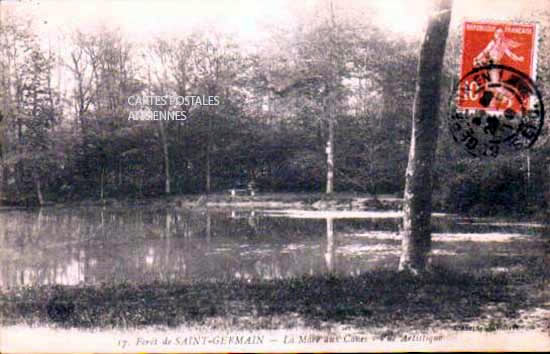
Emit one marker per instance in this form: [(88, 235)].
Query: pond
[(91, 245)]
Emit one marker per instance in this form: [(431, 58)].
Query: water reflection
[(106, 244), (330, 255)]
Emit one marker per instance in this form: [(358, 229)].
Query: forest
[(307, 175), (323, 107)]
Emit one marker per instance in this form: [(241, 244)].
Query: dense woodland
[(329, 92)]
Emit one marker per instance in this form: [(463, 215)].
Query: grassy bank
[(386, 301)]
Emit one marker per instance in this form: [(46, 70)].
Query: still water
[(91, 245)]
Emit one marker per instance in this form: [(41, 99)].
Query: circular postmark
[(495, 109)]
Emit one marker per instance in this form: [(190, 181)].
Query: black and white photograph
[(274, 176)]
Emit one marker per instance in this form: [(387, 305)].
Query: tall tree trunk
[(3, 108), (330, 103), (528, 175), (2, 173), (208, 153), (330, 154), (547, 194), (418, 188), (164, 141)]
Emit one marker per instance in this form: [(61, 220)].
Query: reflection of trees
[(103, 244), (208, 227), (69, 246), (330, 255), (38, 251), (252, 220), (168, 238)]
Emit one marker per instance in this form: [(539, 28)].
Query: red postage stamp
[(494, 45)]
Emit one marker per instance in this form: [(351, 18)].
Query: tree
[(41, 112), (223, 71), (105, 76), (32, 108), (173, 77), (311, 81), (541, 159), (418, 186), (369, 160)]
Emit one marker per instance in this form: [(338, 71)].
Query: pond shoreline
[(306, 201), (310, 201)]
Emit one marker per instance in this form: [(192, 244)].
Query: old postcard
[(274, 176)]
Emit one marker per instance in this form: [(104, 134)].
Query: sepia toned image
[(274, 176)]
